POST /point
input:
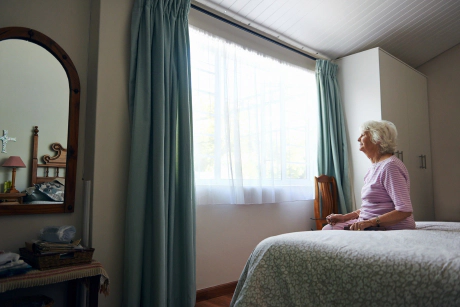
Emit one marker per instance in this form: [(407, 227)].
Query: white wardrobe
[(375, 85)]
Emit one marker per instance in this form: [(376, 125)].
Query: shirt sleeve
[(396, 183)]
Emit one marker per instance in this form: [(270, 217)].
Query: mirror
[(39, 86), (25, 65)]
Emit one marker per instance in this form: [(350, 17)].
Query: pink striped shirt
[(387, 188)]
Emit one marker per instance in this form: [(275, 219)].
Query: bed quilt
[(418, 267)]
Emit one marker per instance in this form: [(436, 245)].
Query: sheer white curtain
[(255, 125)]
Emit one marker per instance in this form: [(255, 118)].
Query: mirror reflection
[(34, 91)]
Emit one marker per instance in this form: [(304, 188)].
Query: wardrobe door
[(419, 161), (394, 99), (359, 80)]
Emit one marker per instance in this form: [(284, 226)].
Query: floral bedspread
[(355, 268)]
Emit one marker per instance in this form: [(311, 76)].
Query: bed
[(48, 178), (418, 267)]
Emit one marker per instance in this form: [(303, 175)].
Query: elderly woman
[(386, 191)]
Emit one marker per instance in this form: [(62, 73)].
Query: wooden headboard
[(57, 162)]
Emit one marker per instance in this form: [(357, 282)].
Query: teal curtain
[(159, 252), (332, 142)]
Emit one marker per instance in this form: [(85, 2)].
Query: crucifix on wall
[(5, 138)]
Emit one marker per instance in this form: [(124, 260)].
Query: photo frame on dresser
[(69, 129)]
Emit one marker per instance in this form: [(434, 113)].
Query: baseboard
[(216, 291)]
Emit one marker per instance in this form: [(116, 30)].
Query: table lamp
[(14, 162)]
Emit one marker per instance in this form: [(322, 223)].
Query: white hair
[(383, 133)]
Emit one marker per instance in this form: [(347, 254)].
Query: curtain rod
[(194, 6)]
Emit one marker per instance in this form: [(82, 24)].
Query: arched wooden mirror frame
[(44, 41)]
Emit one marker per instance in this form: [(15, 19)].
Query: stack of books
[(44, 247)]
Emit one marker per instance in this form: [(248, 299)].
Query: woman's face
[(365, 143)]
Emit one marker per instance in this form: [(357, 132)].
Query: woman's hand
[(335, 218), (361, 225)]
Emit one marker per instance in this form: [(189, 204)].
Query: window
[(255, 125)]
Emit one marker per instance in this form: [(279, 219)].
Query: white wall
[(227, 234), (109, 127), (66, 22), (444, 106)]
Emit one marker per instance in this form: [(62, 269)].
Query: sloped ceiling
[(414, 31)]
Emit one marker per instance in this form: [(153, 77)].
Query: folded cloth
[(11, 265), (6, 257), (20, 267), (57, 234)]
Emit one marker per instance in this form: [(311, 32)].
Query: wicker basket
[(56, 260)]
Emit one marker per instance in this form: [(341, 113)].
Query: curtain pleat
[(332, 145), (159, 263)]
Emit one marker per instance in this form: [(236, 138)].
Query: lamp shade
[(14, 162)]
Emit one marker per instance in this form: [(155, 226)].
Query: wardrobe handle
[(422, 161)]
